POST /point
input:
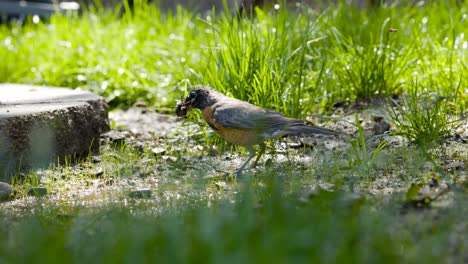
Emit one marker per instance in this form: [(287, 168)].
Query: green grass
[(341, 206), (295, 60), (424, 117)]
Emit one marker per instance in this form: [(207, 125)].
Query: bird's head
[(198, 98)]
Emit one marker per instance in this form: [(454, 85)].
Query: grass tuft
[(423, 117)]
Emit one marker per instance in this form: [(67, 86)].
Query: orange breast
[(208, 116), (239, 136), (233, 135)]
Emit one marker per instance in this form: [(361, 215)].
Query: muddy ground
[(162, 160)]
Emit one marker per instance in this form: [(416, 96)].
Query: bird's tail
[(303, 129)]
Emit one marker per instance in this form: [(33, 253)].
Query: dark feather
[(246, 116)]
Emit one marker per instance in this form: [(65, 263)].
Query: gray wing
[(247, 116)]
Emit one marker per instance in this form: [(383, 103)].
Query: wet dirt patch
[(171, 161)]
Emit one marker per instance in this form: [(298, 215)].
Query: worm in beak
[(183, 107)]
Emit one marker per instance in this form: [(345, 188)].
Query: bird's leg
[(251, 155), (260, 153), (287, 149)]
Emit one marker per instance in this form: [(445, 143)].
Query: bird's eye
[(193, 94)]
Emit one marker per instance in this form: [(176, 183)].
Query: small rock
[(158, 151), (138, 194), (37, 191), (169, 158), (97, 173), (5, 191), (199, 147), (221, 185), (96, 159), (115, 137), (213, 151), (380, 125)]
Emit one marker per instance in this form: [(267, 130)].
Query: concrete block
[(41, 125)]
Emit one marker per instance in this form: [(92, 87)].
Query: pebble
[(96, 159), (116, 137), (380, 125), (221, 185), (5, 191), (169, 158), (97, 173), (213, 151), (158, 151)]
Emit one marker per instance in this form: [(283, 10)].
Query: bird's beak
[(183, 107)]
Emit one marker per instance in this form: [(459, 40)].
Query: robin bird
[(244, 124)]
